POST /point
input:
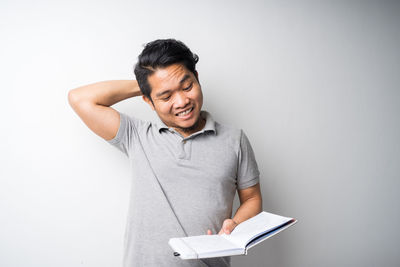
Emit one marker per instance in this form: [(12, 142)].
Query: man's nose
[(181, 100)]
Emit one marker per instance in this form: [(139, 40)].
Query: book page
[(208, 243), (269, 234), (204, 246), (253, 227)]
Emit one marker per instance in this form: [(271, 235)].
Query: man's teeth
[(185, 112)]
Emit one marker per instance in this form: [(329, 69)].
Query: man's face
[(177, 98)]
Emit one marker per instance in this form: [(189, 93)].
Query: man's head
[(168, 79), (162, 53)]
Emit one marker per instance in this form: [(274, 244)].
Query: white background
[(315, 86)]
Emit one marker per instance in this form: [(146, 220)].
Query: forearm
[(92, 103), (105, 93), (248, 209)]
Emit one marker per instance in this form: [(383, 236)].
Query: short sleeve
[(127, 133), (248, 173)]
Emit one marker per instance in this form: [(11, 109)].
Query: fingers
[(227, 230), (228, 226)]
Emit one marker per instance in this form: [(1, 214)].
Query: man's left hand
[(227, 227)]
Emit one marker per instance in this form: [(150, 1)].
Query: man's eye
[(188, 88), (166, 98)]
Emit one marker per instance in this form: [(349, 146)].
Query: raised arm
[(93, 104)]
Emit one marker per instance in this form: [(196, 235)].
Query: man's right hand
[(93, 104)]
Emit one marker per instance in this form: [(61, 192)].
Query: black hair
[(162, 53)]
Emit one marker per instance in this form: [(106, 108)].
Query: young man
[(186, 167)]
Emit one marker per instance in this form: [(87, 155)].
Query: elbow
[(78, 103), (76, 99), (72, 98)]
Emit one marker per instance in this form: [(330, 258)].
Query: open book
[(246, 235)]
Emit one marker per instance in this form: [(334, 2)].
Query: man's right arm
[(93, 104)]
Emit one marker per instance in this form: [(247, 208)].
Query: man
[(186, 167)]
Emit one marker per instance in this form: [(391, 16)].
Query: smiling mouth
[(184, 113)]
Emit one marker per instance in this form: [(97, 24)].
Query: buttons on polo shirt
[(182, 153), (184, 149)]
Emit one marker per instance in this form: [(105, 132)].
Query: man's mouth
[(184, 113)]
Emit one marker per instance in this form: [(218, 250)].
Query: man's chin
[(187, 127)]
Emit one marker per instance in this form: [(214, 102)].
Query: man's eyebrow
[(187, 76), (163, 93)]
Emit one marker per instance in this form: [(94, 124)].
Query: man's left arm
[(250, 205)]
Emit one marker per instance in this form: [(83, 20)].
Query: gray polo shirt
[(180, 186)]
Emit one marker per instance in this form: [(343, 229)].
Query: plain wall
[(314, 84)]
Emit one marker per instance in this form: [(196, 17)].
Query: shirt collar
[(208, 127)]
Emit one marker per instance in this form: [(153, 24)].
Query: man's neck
[(198, 126)]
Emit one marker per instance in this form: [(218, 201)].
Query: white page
[(182, 248), (260, 223), (208, 243)]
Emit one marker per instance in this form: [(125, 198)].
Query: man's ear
[(148, 101)]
